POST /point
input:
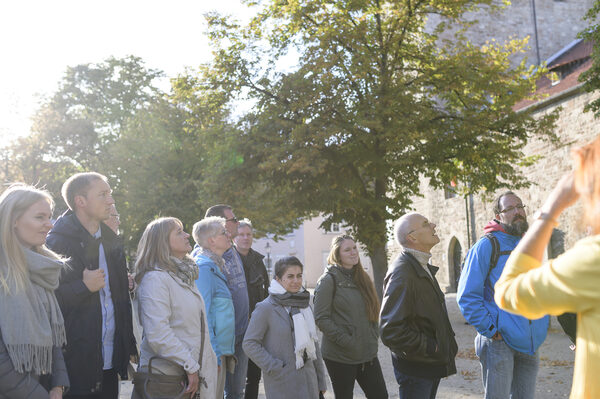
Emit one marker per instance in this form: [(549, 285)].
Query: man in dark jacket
[(414, 319), (257, 281), (93, 291)]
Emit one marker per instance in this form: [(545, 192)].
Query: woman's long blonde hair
[(587, 181), (14, 202), (153, 250), (361, 278)]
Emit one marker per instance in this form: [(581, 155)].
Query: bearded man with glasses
[(506, 344)]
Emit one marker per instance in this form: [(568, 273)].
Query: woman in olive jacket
[(347, 312)]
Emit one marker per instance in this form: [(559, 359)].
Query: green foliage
[(591, 77), (375, 102)]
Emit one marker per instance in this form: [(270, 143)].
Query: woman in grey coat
[(282, 337), (32, 330)]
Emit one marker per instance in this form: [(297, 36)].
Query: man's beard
[(518, 227)]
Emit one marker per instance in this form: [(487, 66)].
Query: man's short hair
[(78, 184), (497, 208), (217, 210), (401, 228), (245, 223)]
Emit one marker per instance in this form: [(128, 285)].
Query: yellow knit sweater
[(569, 283)]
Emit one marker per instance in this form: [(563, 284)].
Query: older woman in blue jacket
[(212, 240)]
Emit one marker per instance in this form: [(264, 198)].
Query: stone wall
[(574, 127), (558, 22)]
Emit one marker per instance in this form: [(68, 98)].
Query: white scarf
[(305, 331)]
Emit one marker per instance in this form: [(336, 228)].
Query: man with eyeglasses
[(236, 282), (414, 320), (506, 344)]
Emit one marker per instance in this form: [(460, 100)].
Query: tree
[(376, 102), (591, 77), (73, 129), (90, 107)]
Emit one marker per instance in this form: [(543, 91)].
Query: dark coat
[(81, 308), (257, 278), (15, 385), (414, 320)]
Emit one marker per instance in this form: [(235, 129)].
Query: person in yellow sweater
[(569, 283)]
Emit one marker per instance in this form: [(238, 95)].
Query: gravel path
[(554, 377)]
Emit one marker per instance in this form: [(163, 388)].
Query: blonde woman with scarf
[(282, 337), (176, 348), (32, 330)]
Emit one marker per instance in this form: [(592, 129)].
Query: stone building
[(460, 220), (549, 24), (552, 27)]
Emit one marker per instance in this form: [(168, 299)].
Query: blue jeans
[(411, 387), (235, 383), (506, 373)]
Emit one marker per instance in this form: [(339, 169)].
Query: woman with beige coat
[(172, 313)]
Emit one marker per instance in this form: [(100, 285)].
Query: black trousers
[(110, 388), (252, 380), (368, 375)]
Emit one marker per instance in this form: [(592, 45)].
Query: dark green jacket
[(348, 335)]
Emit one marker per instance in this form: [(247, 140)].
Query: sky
[(40, 38)]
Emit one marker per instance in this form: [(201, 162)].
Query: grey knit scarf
[(187, 271), (31, 320)]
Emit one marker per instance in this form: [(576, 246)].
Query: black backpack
[(496, 253)]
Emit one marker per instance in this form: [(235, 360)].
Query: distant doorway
[(455, 256)]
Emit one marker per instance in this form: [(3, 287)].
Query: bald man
[(414, 319)]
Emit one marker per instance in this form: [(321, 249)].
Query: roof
[(569, 63)]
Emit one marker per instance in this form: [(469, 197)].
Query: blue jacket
[(475, 298), (212, 284)]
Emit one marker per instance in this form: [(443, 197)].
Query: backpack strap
[(496, 253)]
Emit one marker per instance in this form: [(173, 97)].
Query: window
[(449, 192), (334, 228)]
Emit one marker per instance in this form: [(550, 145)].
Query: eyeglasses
[(233, 219), (224, 233), (512, 208)]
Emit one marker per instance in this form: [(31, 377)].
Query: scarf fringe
[(59, 335), (32, 358), (31, 320)]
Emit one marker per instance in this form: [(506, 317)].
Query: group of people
[(213, 324), (212, 321)]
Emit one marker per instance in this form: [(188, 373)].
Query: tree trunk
[(379, 262)]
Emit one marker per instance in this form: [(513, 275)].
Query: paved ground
[(554, 378)]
